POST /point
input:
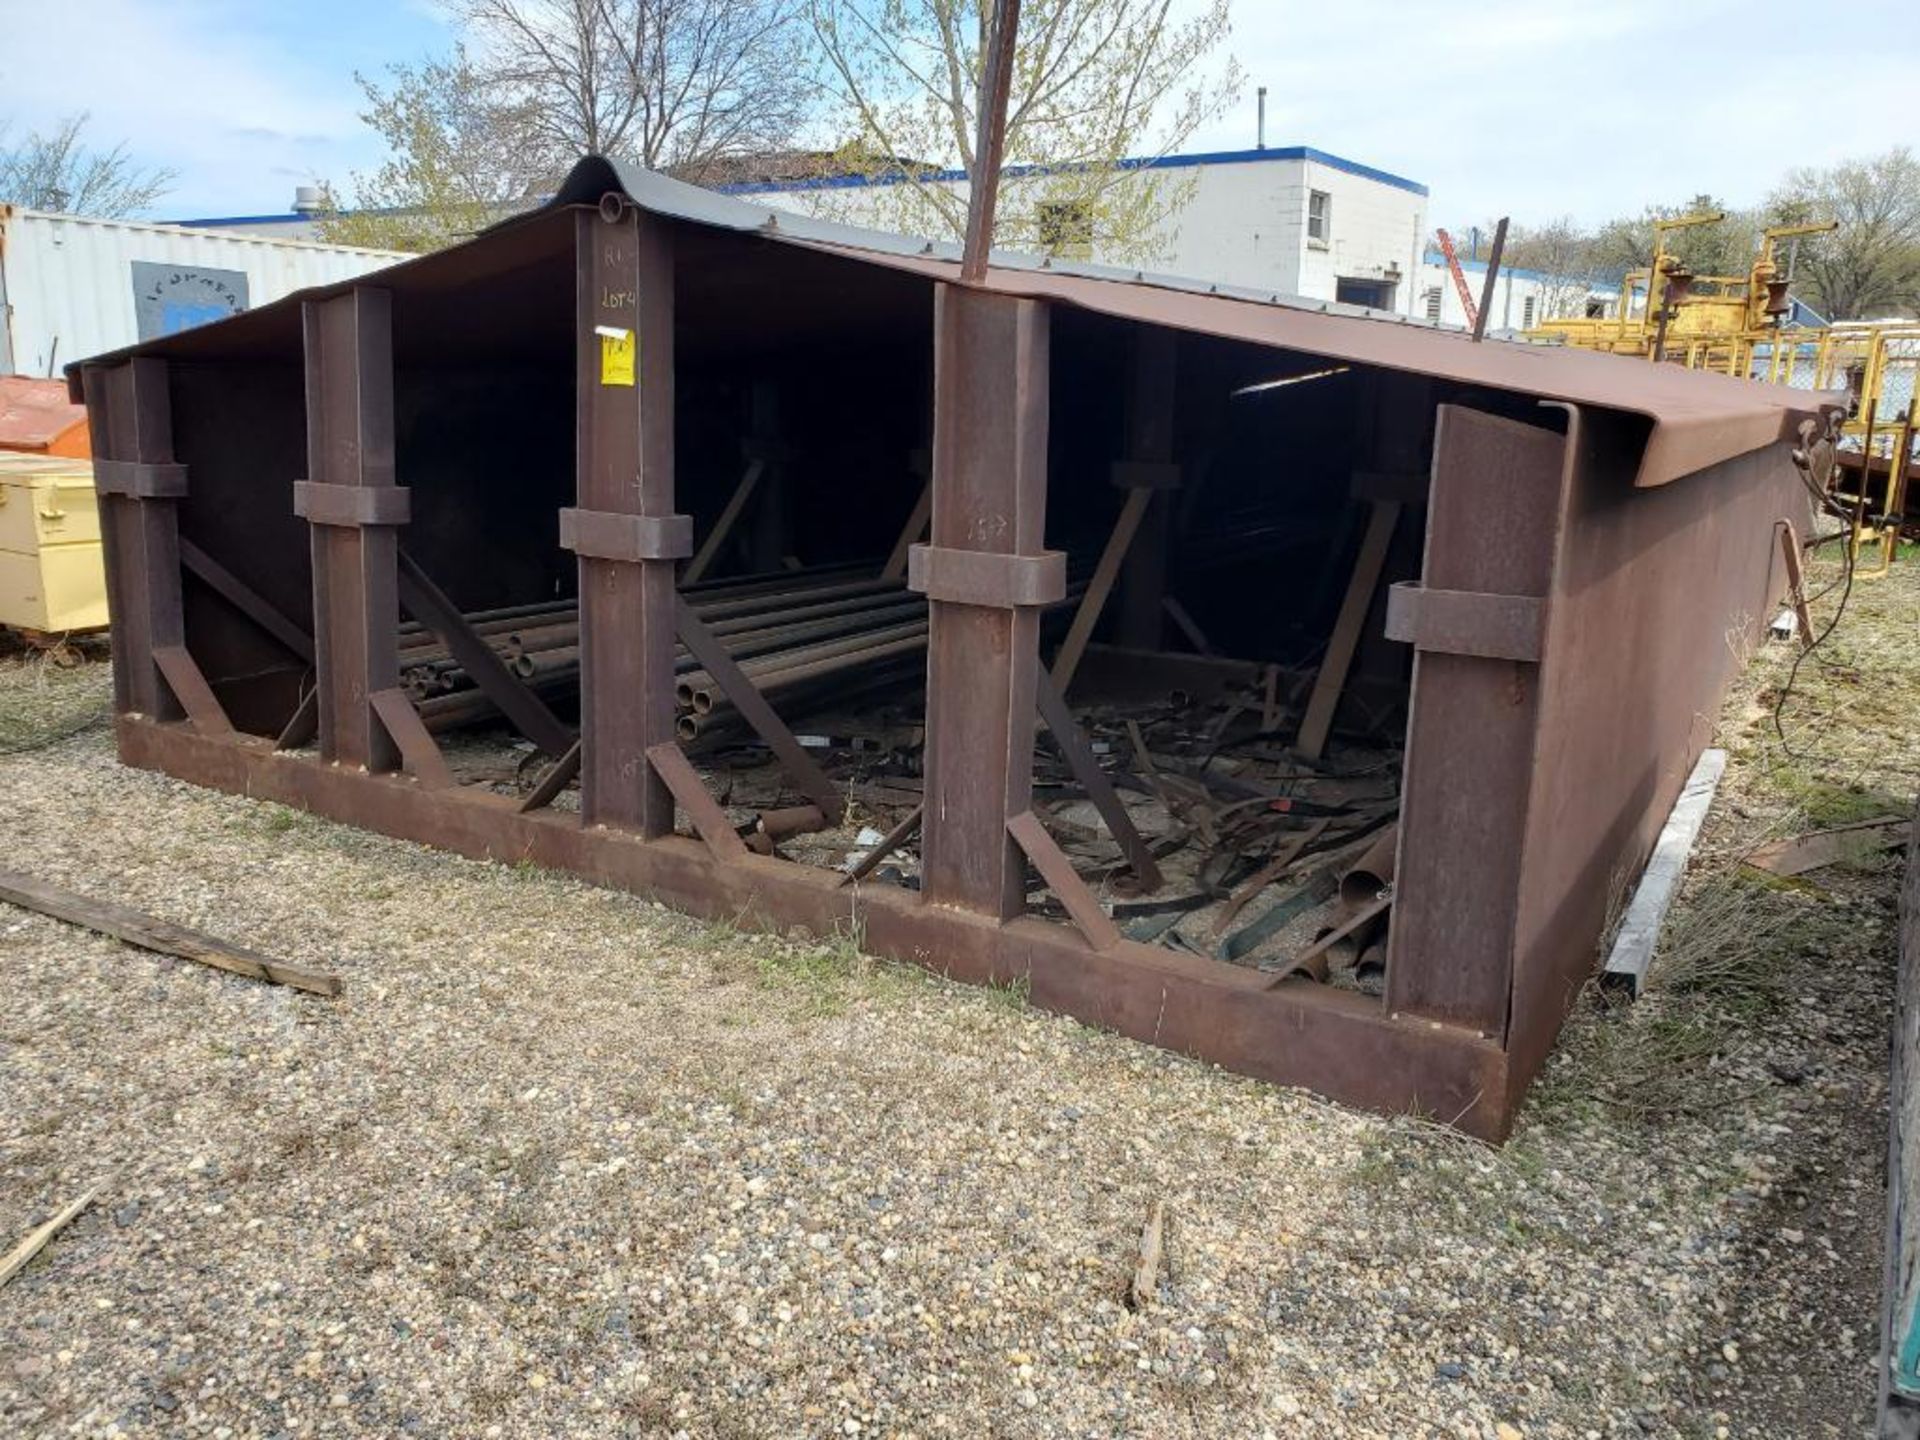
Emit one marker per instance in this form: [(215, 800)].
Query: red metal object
[(1465, 291), (38, 417)]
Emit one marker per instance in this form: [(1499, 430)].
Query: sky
[(1525, 107)]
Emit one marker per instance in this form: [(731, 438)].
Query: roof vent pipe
[(1260, 133)]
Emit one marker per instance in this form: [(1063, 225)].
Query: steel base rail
[(1340, 1044)]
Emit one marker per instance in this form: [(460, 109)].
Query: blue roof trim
[(1599, 287), (291, 217), (1154, 162)]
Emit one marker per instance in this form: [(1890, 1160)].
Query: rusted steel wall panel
[(989, 496), (1494, 515), (1656, 596)]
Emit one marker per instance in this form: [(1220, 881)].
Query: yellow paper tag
[(617, 352)]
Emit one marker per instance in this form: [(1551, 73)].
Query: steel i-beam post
[(624, 529), (985, 574), (130, 415), (354, 507)]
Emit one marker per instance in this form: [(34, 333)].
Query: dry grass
[(43, 699)]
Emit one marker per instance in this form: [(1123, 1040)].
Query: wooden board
[(1801, 853), (161, 936)]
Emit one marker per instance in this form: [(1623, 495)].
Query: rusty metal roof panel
[(1693, 419)]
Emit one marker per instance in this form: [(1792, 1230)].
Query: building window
[(1374, 294), (1066, 228), (1432, 302), (1319, 216), (1526, 313)]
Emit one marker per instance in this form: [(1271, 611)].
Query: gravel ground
[(560, 1162)]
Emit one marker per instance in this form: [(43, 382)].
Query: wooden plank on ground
[(1801, 853), (1331, 680), (17, 1258), (148, 932)]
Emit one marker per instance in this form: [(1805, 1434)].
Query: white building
[(1296, 221), (1521, 298), (73, 286)]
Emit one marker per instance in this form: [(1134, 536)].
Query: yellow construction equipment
[(1736, 325)]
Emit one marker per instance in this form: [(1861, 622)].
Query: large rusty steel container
[(1566, 544)]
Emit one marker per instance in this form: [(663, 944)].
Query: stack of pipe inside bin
[(801, 634)]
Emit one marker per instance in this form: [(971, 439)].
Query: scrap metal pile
[(1241, 848), (1264, 858)]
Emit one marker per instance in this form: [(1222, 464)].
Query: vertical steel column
[(624, 529), (131, 417), (1477, 624), (1150, 416), (352, 506), (984, 573)]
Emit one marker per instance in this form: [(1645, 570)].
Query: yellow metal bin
[(51, 578)]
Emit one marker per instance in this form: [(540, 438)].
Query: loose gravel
[(562, 1163)]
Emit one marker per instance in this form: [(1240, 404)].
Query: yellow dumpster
[(51, 577)]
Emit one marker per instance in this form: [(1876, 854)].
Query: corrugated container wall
[(72, 286)]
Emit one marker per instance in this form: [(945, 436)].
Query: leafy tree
[(1870, 266), (1725, 248), (55, 171), (1094, 82), (1566, 256), (460, 157)]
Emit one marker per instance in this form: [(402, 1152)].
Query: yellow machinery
[(51, 578), (1734, 325), (1715, 322)]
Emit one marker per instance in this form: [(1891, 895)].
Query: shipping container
[(72, 286)]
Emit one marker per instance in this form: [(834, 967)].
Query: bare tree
[(459, 157), (1870, 266), (1563, 255), (55, 171), (1094, 82), (1723, 248), (674, 85)]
